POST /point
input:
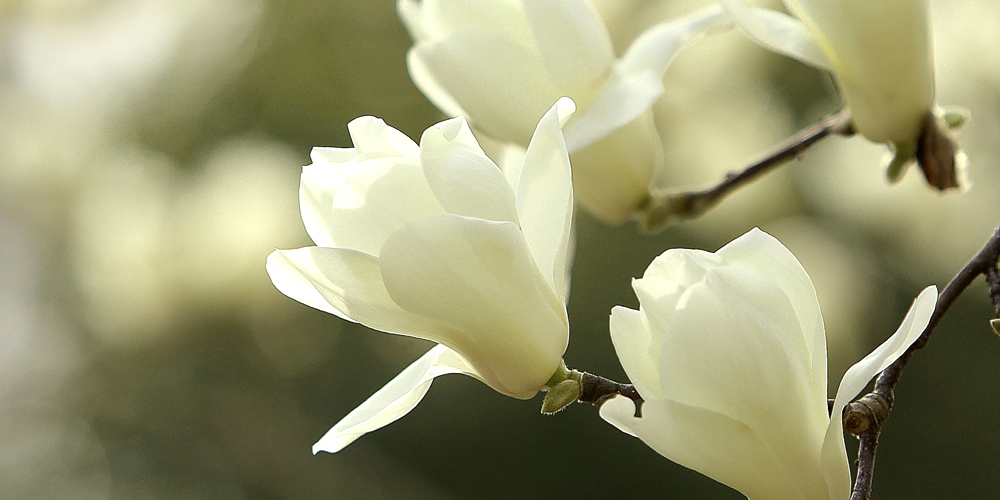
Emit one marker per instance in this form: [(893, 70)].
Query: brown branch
[(984, 263), (597, 390), (567, 386), (663, 208), (993, 281)]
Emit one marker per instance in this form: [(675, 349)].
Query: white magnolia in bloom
[(502, 63), (728, 350), (881, 56), (432, 241)]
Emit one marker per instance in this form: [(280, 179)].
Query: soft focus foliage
[(150, 155)]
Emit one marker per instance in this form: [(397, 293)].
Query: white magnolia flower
[(432, 241), (881, 56), (502, 62), (728, 350)]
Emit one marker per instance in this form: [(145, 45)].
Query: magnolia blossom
[(881, 56), (728, 350), (503, 62), (434, 242)]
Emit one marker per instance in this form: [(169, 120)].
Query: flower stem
[(663, 208), (567, 386)]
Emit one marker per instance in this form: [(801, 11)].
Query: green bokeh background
[(149, 161)]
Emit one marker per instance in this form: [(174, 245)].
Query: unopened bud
[(561, 396)]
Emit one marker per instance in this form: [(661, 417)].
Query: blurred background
[(150, 152)]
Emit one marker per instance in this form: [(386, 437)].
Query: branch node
[(985, 262), (993, 284), (597, 390), (867, 414)]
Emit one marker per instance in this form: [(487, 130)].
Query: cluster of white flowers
[(436, 241)]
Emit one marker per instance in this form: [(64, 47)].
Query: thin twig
[(663, 208), (993, 281), (982, 263)]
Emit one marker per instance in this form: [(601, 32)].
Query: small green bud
[(955, 117), (561, 396)]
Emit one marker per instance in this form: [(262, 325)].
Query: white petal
[(612, 176), (631, 337), (478, 278), (393, 400), (658, 299), (637, 80), (834, 457), (779, 32), (620, 101), (653, 50), (573, 42), (734, 346), (763, 254), (348, 284), (883, 59), (545, 198), (719, 447), (332, 155), (501, 85), (411, 12), (427, 82), (441, 18), (371, 135), (357, 206), (683, 265), (465, 181)]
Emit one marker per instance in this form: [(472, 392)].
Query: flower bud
[(728, 350)]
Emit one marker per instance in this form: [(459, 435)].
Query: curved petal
[(883, 59), (719, 447), (611, 177), (658, 300), (348, 284), (834, 455), (332, 155), (780, 33), (631, 337), (734, 345), (637, 80), (426, 81), (654, 49), (545, 198), (436, 19), (573, 41), (371, 136), (502, 86), (620, 101), (478, 277), (465, 181), (394, 399), (763, 254), (411, 12), (359, 205), (686, 266)]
